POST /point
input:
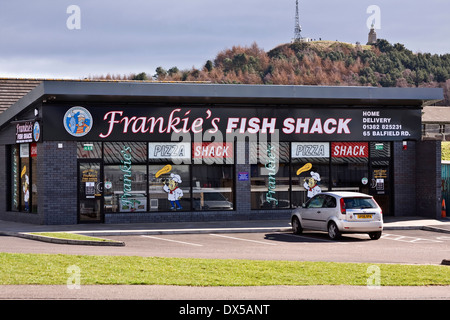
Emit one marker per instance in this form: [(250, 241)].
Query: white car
[(339, 212)]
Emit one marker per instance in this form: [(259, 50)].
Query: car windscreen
[(360, 203)]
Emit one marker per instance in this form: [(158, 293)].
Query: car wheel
[(375, 235), (296, 226), (333, 231)]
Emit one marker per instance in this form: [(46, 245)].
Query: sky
[(48, 39)]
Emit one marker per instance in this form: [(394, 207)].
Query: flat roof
[(203, 93)]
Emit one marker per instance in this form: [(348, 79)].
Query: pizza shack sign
[(163, 123), (350, 150), (322, 150), (181, 151)]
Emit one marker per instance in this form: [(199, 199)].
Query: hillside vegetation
[(317, 63)]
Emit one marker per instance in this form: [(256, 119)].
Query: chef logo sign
[(78, 121)]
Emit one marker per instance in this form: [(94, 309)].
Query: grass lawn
[(52, 269), (445, 146), (69, 236)]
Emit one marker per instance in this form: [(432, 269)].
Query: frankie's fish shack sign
[(28, 131), (160, 123)]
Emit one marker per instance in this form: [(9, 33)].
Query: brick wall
[(417, 179), (58, 182), (404, 179), (428, 179)]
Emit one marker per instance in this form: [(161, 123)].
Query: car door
[(311, 212), (328, 209)]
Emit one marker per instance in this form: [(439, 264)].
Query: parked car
[(338, 213)]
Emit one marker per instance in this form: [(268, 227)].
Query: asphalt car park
[(399, 246), (394, 246)]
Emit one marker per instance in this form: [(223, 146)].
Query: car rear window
[(359, 203)]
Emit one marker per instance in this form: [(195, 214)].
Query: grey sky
[(123, 37)]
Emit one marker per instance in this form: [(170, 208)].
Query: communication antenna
[(298, 28)]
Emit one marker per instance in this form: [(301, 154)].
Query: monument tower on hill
[(372, 36)]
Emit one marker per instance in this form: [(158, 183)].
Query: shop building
[(125, 152)]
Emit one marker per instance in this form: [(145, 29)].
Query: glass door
[(90, 191), (380, 175)]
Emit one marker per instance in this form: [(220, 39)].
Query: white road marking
[(234, 238), (406, 238), (182, 242)]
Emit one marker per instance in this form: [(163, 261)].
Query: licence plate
[(364, 216)]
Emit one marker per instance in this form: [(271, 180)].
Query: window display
[(180, 176), (125, 177), (270, 177), (169, 187), (212, 187), (349, 166), (25, 177), (15, 178), (310, 170), (125, 191)]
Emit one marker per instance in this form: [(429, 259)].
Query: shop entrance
[(90, 191), (380, 176)]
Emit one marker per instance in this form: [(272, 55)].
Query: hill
[(320, 63)]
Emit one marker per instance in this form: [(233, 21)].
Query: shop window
[(212, 187), (349, 166), (125, 188), (15, 179), (270, 176), (25, 178), (170, 171), (310, 170), (22, 186), (113, 152), (125, 177), (380, 149), (89, 150), (169, 187)]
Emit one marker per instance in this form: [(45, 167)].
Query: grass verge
[(445, 146), (52, 270), (69, 236)]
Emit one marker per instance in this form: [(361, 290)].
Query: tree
[(173, 70), (140, 76), (441, 75), (384, 45), (209, 65), (161, 73)]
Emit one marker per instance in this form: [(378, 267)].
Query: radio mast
[(298, 28)]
